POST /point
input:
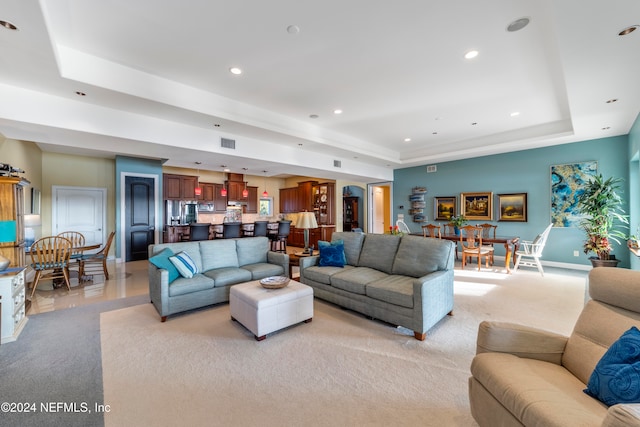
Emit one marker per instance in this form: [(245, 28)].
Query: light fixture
[(8, 25), (223, 191), (306, 220), (407, 140), (518, 24), (264, 193), (235, 70), (337, 111), (471, 54), (611, 101), (628, 30), (515, 113), (245, 192), (198, 189)]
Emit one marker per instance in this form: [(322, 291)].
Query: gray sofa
[(527, 376), (404, 280), (221, 263)]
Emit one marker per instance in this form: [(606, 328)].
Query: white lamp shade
[(32, 221), (306, 220)]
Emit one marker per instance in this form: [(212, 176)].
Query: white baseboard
[(566, 265)]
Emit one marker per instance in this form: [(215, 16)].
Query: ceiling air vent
[(228, 143), (432, 168), (337, 164)]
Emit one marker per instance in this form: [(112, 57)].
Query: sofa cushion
[(537, 393), (252, 250), (218, 253), (396, 290), (184, 264), (355, 279), (264, 269), (323, 274), (192, 248), (418, 256), (352, 245), (183, 286), (379, 251), (161, 260), (226, 276), (616, 378), (331, 254)]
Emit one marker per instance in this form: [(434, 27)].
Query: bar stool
[(279, 240)]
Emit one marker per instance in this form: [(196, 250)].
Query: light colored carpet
[(342, 369)]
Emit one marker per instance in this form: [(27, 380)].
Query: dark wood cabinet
[(350, 213), (296, 236), (288, 200), (305, 196), (219, 201), (12, 218), (252, 200), (208, 192), (323, 203), (179, 187)]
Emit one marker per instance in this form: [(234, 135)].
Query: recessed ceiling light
[(434, 133), (474, 123), (8, 25), (407, 140), (313, 116), (612, 100), (80, 93), (471, 54), (293, 29), (338, 111), (606, 128), (217, 125), (235, 70), (515, 113), (518, 24), (628, 30)]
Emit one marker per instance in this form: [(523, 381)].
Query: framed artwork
[(512, 207), (477, 206), (444, 208), (567, 182)]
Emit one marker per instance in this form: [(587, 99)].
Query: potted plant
[(604, 218), (458, 221)]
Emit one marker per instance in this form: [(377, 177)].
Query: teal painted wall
[(519, 172), (133, 165), (634, 185)]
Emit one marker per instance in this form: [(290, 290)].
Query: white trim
[(557, 264), (54, 210), (158, 209)]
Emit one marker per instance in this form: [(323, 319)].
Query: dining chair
[(231, 230), (471, 241), (77, 241), (198, 232), (279, 240), (449, 229), (489, 232), (431, 230), (50, 254), (260, 228), (91, 264), (403, 227)]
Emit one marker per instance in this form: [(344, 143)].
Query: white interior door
[(377, 217), (80, 209)]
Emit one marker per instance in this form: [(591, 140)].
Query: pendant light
[(264, 193), (245, 192), (223, 192), (198, 189)]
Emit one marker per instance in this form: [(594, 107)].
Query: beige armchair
[(526, 376)]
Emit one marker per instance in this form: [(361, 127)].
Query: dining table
[(58, 283), (511, 245)]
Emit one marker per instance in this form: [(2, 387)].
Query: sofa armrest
[(623, 415), (520, 340), (159, 289), (279, 258)]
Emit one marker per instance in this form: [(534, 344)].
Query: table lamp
[(306, 220)]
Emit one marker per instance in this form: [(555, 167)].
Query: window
[(265, 208)]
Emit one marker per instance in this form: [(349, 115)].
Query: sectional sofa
[(219, 264), (404, 280)]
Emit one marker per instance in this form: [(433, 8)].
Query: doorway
[(380, 207), (80, 209), (139, 223)]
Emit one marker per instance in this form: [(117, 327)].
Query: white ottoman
[(263, 311)]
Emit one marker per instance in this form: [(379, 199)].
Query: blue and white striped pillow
[(184, 264)]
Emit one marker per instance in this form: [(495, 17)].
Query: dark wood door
[(139, 217)]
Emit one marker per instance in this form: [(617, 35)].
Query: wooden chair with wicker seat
[(431, 230), (50, 254), (96, 263), (471, 241), (489, 232), (77, 241)]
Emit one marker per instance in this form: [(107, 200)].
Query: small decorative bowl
[(274, 282)]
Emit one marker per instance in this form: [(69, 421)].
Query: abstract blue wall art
[(567, 183)]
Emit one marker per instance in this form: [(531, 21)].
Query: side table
[(294, 261)]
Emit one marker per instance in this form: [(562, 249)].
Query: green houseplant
[(458, 222), (604, 218)]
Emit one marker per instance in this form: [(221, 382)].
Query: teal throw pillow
[(185, 265), (161, 260), (616, 378), (332, 254)]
